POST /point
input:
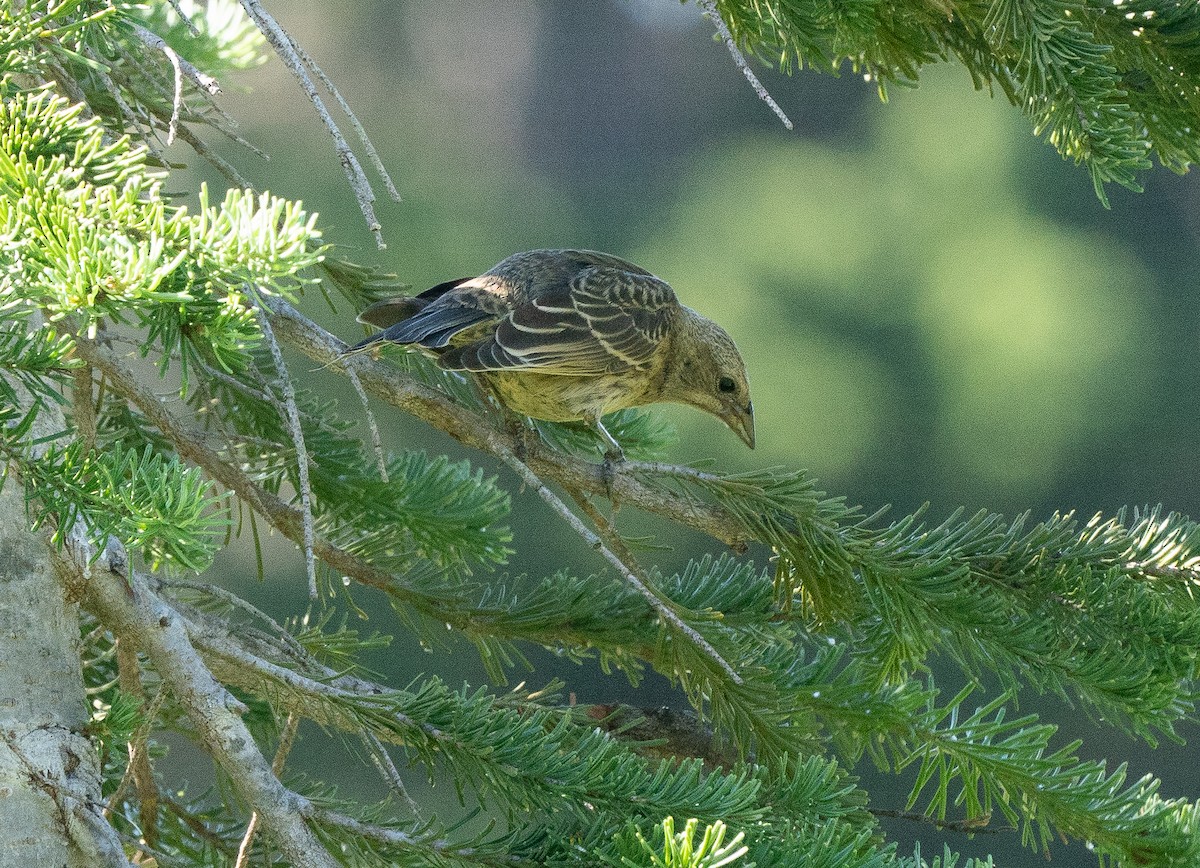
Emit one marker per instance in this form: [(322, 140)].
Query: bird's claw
[(613, 459), (524, 438)]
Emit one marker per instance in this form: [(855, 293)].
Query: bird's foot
[(525, 438), (613, 459)]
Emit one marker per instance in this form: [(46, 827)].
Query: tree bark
[(50, 799), (49, 771)]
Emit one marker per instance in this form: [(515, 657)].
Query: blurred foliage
[(847, 276)]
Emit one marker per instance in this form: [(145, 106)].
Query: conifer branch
[(288, 520), (286, 740)]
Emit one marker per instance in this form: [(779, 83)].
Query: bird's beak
[(741, 422)]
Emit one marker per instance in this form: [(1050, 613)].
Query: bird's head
[(709, 374)]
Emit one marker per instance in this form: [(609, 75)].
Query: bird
[(571, 335)]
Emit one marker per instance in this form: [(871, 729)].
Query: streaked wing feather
[(605, 320)]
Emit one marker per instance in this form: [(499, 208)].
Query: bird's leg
[(525, 438), (613, 455)]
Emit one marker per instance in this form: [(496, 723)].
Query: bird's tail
[(362, 346), (383, 315), (390, 311)]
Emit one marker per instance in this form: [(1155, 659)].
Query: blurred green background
[(933, 306)]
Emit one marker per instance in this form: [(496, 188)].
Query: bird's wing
[(604, 319)]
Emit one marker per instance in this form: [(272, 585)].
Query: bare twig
[(614, 541), (665, 608), (709, 7), (129, 672), (971, 827), (83, 407), (286, 48), (376, 442), (285, 638), (605, 528), (198, 827), (177, 97), (202, 80), (368, 146), (184, 17), (293, 418), (181, 68), (383, 835), (382, 761), (227, 170)]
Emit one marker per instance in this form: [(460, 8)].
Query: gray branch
[(127, 606)]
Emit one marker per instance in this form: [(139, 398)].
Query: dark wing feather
[(392, 310), (438, 314), (601, 319)]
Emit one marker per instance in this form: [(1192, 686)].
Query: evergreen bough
[(815, 663)]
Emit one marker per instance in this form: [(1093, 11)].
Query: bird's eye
[(726, 384)]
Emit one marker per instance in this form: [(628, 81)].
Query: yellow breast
[(557, 398)]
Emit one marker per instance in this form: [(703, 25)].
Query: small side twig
[(382, 761), (359, 130), (972, 827), (129, 673), (594, 542), (198, 827), (184, 17), (286, 639), (202, 80), (709, 7), (223, 166), (83, 406), (293, 414), (376, 442), (127, 112), (606, 530), (285, 47)]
